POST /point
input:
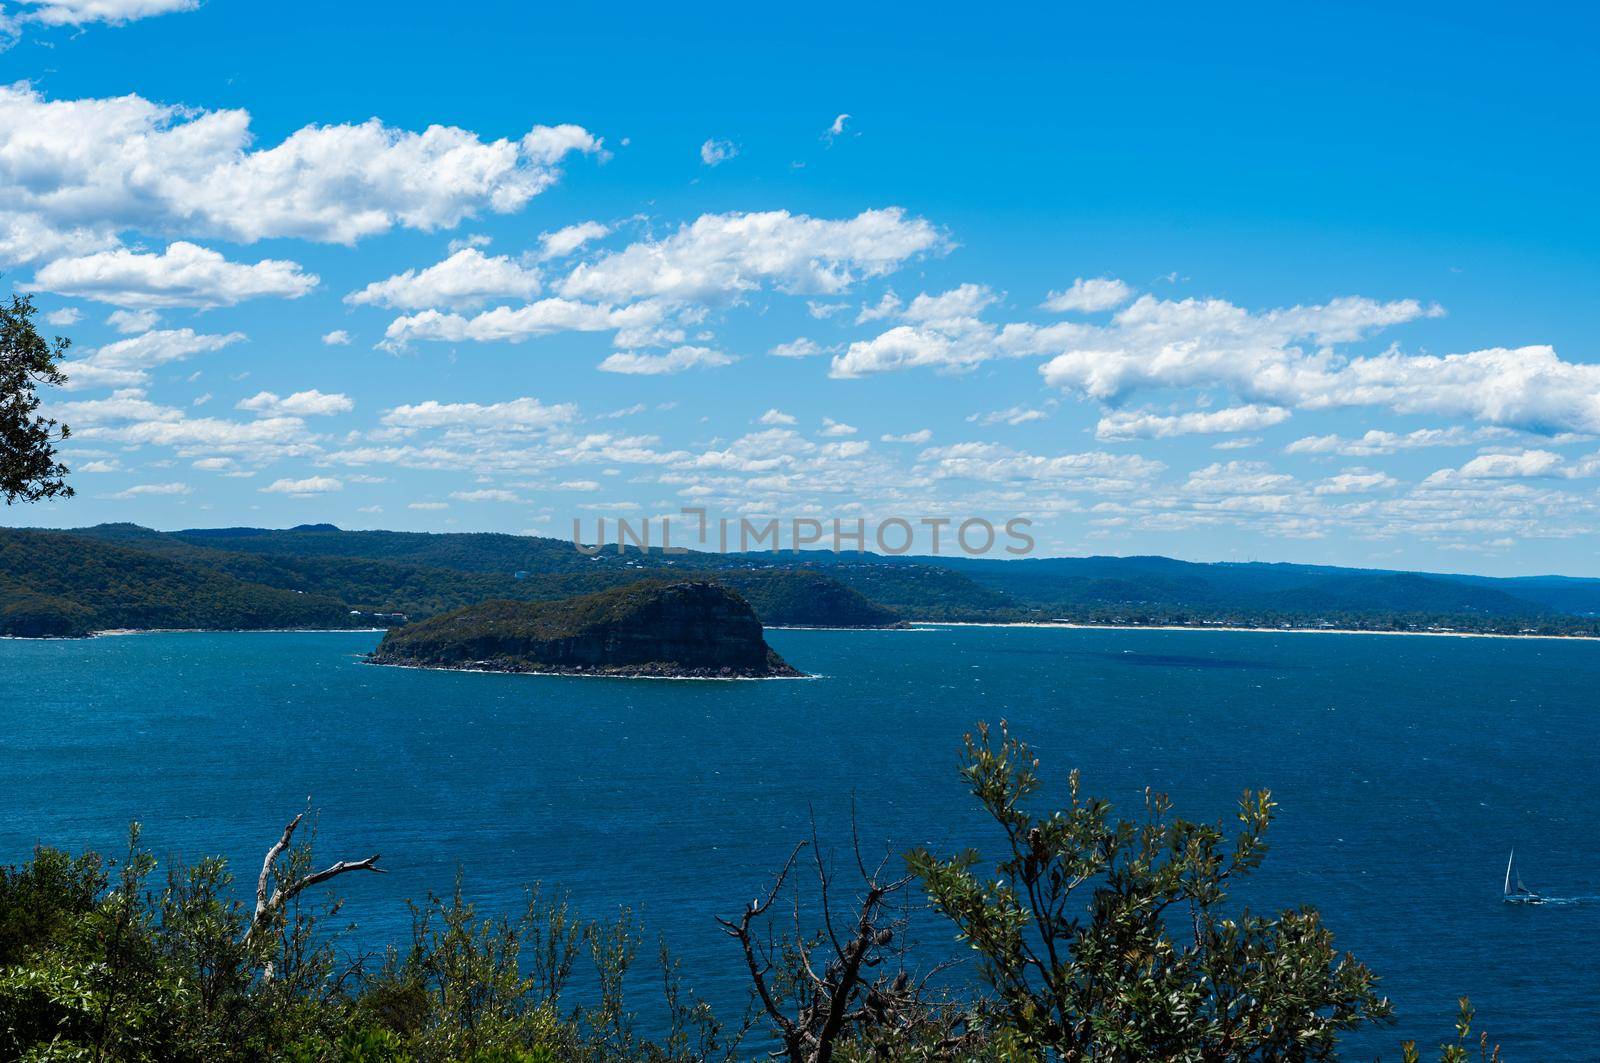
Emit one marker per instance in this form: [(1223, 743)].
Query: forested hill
[(318, 575)]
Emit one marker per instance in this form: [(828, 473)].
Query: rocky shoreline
[(687, 630)]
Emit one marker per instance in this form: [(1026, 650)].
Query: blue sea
[(1405, 768)]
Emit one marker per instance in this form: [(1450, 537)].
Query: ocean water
[(1405, 769)]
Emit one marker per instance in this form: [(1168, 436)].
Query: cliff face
[(693, 629)]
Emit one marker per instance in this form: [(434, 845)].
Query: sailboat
[(1514, 891)]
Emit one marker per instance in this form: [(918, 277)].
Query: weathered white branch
[(268, 907)]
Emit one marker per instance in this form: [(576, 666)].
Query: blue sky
[(1353, 252)]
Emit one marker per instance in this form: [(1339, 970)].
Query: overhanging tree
[(29, 469)]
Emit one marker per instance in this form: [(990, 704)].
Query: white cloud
[(311, 485), (513, 326), (126, 363), (427, 505), (1089, 296), (836, 130), (1012, 415), (70, 315), (888, 305), (468, 278), (715, 152), (834, 429), (674, 361), (568, 239), (1142, 424), (138, 490), (1238, 478), (312, 403), (776, 416), (265, 438), (951, 310), (129, 322), (487, 494), (922, 435), (128, 404), (183, 275), (337, 338), (1211, 343), (578, 485), (1356, 481), (1512, 465), (724, 255), (524, 414), (1095, 470), (81, 169), (1377, 441), (798, 348), (112, 12)]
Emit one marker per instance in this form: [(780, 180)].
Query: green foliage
[(1093, 938), (54, 584), (650, 626), (1106, 938), (1463, 1048), (29, 470)]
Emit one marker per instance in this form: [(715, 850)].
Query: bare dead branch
[(267, 907)]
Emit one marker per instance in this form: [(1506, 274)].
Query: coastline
[(588, 675), (1251, 630), (118, 632)]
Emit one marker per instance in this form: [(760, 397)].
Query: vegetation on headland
[(1090, 937), (57, 586), (390, 577), (690, 628)]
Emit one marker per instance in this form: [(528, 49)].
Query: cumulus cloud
[(1356, 481), (126, 363), (312, 403), (1378, 441), (776, 416), (1142, 424), (82, 169), (674, 361), (921, 435), (130, 322), (1200, 343), (69, 315), (1089, 296), (127, 404), (834, 429), (138, 490), (954, 309), (504, 324), (522, 415), (111, 12), (797, 348), (566, 240), (468, 278), (1510, 465), (715, 152), (721, 256), (1094, 470), (266, 438), (486, 494), (183, 275), (337, 338), (1011, 415), (311, 485)]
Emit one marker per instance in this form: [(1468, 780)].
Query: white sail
[(1509, 861)]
